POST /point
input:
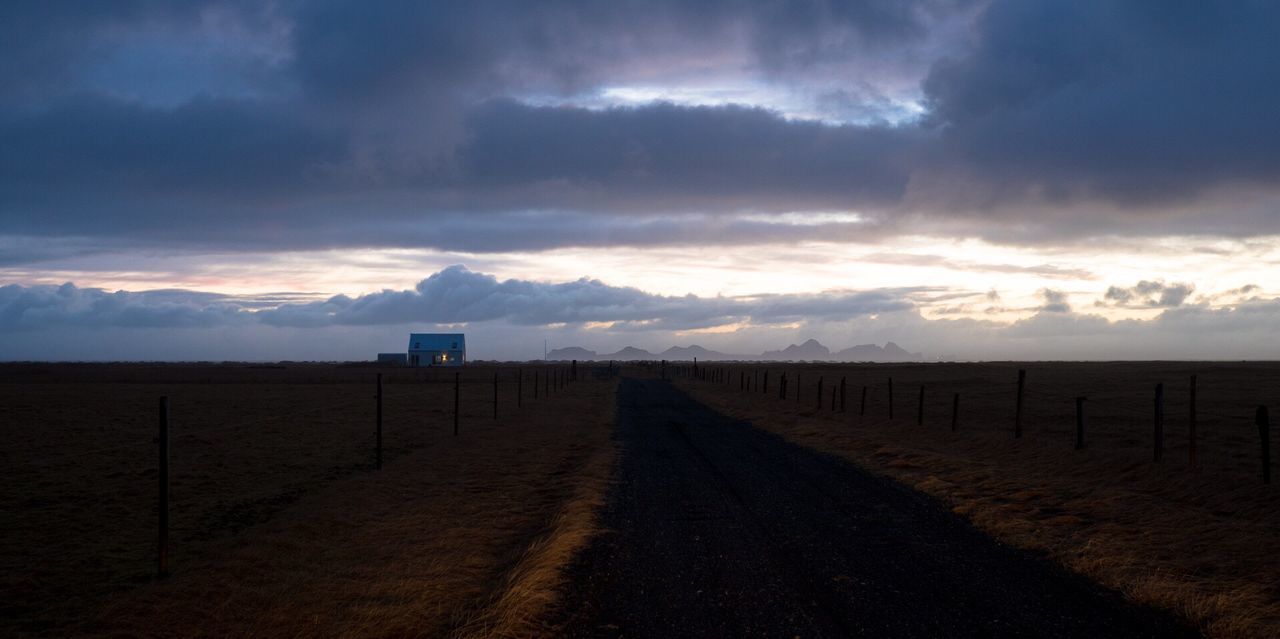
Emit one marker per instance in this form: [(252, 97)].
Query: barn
[(437, 349)]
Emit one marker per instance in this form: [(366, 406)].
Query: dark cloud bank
[(508, 319), (323, 124)]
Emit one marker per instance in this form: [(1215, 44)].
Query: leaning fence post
[(457, 382), (920, 408), (1017, 415), (955, 410), (162, 441), (890, 398), (1080, 422), (1191, 428), (378, 454), (1264, 435), (1158, 436)]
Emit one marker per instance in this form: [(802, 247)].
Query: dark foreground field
[(281, 525), (716, 528), (1196, 540)]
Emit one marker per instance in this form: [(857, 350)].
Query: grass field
[(280, 524), (1199, 543)]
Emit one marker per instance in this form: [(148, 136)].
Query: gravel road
[(715, 528)]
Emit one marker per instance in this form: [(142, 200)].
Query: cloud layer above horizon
[(967, 172), (322, 124)]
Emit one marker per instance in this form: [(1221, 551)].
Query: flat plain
[(280, 523)]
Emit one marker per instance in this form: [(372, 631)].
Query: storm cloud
[(321, 124)]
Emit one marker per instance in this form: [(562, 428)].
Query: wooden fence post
[(162, 441), (378, 446), (1191, 428), (955, 411), (782, 386), (1017, 415), (920, 408), (764, 387), (833, 398), (1080, 423), (890, 398), (573, 374), (457, 383), (1264, 436), (862, 407), (1158, 435)]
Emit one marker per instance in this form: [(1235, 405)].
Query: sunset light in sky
[(973, 180)]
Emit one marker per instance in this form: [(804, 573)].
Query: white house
[(437, 349)]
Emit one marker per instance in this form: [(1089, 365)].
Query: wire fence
[(1123, 406), (236, 452)]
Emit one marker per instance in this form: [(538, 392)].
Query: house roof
[(437, 342)]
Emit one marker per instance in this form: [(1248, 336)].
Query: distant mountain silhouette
[(690, 352), (628, 354), (809, 351), (571, 353), (890, 352)]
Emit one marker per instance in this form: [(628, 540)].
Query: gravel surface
[(715, 528)]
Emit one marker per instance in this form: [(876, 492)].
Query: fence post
[(955, 410), (1264, 435), (1191, 428), (764, 386), (820, 392), (378, 446), (920, 408), (1080, 422), (842, 395), (162, 441), (573, 374), (862, 407), (457, 382), (519, 387), (782, 386), (1158, 436), (535, 384), (1017, 415), (890, 398), (833, 398), (546, 384), (495, 395)]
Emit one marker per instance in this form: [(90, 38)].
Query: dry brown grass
[(280, 525), (1201, 544)]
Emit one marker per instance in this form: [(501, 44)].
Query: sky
[(312, 180)]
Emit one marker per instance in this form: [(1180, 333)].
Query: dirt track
[(720, 529)]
